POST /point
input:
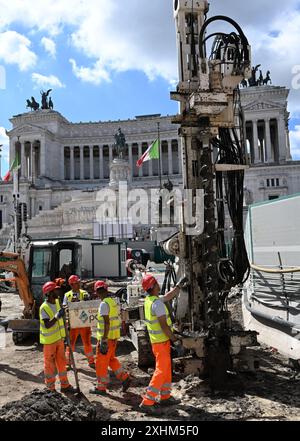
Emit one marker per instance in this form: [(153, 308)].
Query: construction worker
[(108, 334), (52, 334), (159, 327), (78, 295)]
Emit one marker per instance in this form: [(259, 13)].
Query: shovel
[(78, 391)]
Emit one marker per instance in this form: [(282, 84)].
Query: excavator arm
[(12, 262)]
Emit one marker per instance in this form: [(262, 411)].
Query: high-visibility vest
[(70, 295), (57, 331), (156, 334), (114, 321)]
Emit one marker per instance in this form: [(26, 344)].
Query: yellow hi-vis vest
[(114, 321), (57, 332), (156, 334), (70, 295)]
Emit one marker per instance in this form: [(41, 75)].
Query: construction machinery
[(211, 68), (41, 263)]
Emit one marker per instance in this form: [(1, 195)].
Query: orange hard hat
[(100, 285), (73, 279), (49, 287), (148, 282)]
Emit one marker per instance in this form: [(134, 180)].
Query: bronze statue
[(33, 105), (267, 79), (45, 95), (51, 105), (120, 146), (253, 81), (244, 83), (261, 79)]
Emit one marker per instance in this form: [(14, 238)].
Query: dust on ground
[(272, 393)]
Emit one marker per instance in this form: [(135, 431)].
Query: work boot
[(126, 384), (69, 367), (150, 410), (170, 402), (68, 390), (96, 391)]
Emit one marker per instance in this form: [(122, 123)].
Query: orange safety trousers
[(103, 362), (85, 334), (55, 362), (160, 384)]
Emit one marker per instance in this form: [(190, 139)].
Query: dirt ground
[(273, 393)]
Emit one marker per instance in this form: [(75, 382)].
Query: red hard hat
[(100, 284), (73, 279), (148, 282), (49, 287)]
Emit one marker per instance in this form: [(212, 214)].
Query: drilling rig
[(213, 163)]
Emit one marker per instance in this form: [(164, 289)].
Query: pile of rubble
[(47, 406)]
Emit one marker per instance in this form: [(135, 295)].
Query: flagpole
[(159, 162)]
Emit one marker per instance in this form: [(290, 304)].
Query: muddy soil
[(272, 393)]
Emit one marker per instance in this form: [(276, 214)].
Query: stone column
[(101, 161), (81, 162), (91, 162), (72, 176), (110, 153), (170, 157), (255, 142), (282, 144), (23, 163), (43, 157), (140, 154), (33, 156), (180, 156), (62, 165), (130, 158), (268, 141), (150, 164)]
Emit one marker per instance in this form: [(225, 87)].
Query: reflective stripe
[(50, 377), (167, 385), (156, 332), (103, 379), (151, 322), (148, 397), (118, 371), (152, 389), (47, 334), (62, 374), (165, 392), (90, 354)]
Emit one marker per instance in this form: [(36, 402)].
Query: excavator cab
[(46, 261), (50, 260)]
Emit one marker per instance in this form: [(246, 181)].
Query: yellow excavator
[(46, 261)]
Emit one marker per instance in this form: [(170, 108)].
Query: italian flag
[(151, 153), (15, 165)]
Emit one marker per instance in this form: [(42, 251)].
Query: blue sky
[(112, 59)]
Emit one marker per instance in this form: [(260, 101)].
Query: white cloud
[(94, 75), (49, 46), (295, 142), (15, 49), (140, 35), (46, 81)]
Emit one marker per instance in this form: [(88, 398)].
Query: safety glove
[(60, 314), (182, 283), (103, 347), (179, 349), (86, 296)]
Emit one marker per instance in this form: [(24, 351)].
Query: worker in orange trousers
[(108, 334), (161, 335), (52, 334), (77, 295)]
